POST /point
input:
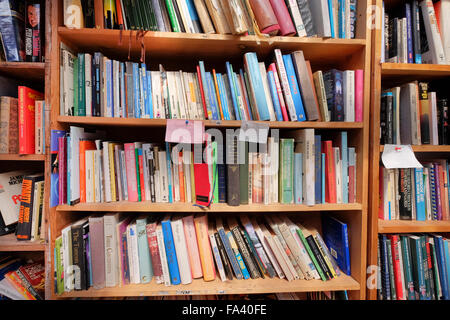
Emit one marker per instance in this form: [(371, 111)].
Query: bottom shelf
[(408, 226), (10, 243), (217, 287)]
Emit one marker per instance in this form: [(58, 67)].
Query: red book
[(359, 95), (397, 268), (119, 14), (273, 68), (27, 102), (154, 252), (351, 184), (35, 275), (141, 174), (265, 17), (200, 83), (130, 163), (84, 146), (284, 18), (202, 185), (62, 146), (330, 175)]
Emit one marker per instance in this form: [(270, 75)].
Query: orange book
[(119, 14), (206, 258), (437, 13), (192, 247), (14, 279), (330, 175), (218, 94), (84, 145), (181, 177)]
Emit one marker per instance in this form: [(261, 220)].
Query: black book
[(417, 51), (138, 24), (385, 279), (144, 12), (414, 265), (404, 189), (129, 17), (88, 13), (233, 188), (12, 25), (315, 250), (253, 254), (305, 13), (334, 87), (387, 36), (245, 253), (442, 109), (34, 31), (424, 113), (223, 256), (243, 172), (387, 118), (151, 174), (86, 253), (178, 14), (393, 40), (78, 256)]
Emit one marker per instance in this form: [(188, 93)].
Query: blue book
[(170, 252), (298, 178), (418, 272), (385, 278), (223, 97), (295, 89), (336, 238), (239, 259), (344, 156), (274, 95), (318, 168), (137, 102), (54, 178), (447, 260), (231, 256), (145, 260), (409, 36), (420, 195), (205, 82), (123, 102), (440, 255), (213, 97), (324, 165), (330, 12), (257, 86), (230, 74), (341, 18), (149, 110), (169, 172), (194, 16), (241, 73), (109, 108), (144, 88)]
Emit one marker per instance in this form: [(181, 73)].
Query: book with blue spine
[(170, 251), (54, 176), (447, 260), (149, 110), (274, 95), (256, 85), (418, 272), (385, 278), (230, 74), (318, 168), (238, 255), (443, 276), (409, 32), (341, 18), (223, 97), (420, 195), (145, 260), (222, 179), (344, 167), (144, 92), (205, 84), (298, 178), (295, 89), (229, 251), (336, 238), (324, 165), (331, 14), (194, 16), (137, 103), (123, 102), (247, 102), (109, 110), (169, 172), (212, 97)]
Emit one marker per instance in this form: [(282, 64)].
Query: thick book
[(169, 244), (333, 80), (321, 17), (9, 130), (306, 15), (23, 231), (216, 253), (27, 102), (145, 262), (435, 53), (78, 256), (154, 251), (286, 183), (336, 238), (265, 17), (284, 19), (206, 258), (424, 107), (228, 249), (181, 250), (12, 29), (96, 230), (192, 246), (233, 168)]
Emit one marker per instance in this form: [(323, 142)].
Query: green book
[(129, 15), (244, 172), (311, 255), (81, 85), (437, 284), (407, 267), (172, 16), (136, 15), (418, 272), (151, 15), (214, 173), (143, 10), (58, 266), (286, 183), (138, 175), (391, 269), (75, 86)]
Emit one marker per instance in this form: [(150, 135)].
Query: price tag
[(399, 157)]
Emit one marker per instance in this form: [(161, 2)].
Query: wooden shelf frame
[(385, 75), (34, 71), (9, 243), (22, 157), (180, 49)]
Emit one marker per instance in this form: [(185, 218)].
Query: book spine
[(231, 256), (154, 252), (409, 27), (285, 85), (223, 257), (170, 253), (238, 256)]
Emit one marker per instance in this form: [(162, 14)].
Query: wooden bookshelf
[(34, 71), (387, 75), (183, 51), (9, 243), (22, 157)]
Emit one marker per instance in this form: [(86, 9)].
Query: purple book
[(437, 173), (122, 237), (97, 252)]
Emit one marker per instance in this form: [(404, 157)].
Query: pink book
[(359, 95), (130, 164), (192, 246), (273, 68), (97, 247), (124, 269), (154, 252)]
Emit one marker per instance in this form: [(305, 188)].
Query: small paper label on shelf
[(399, 157), (185, 131)]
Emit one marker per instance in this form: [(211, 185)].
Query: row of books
[(94, 85), (22, 30), (418, 31), (415, 194), (305, 18), (305, 169), (21, 204), (413, 267), (117, 249), (411, 115), (21, 280), (22, 129)]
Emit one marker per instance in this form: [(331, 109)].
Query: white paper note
[(399, 157)]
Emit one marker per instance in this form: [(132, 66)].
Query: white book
[(187, 174), (185, 16), (133, 255), (402, 273), (305, 144), (146, 151), (386, 194), (198, 96), (8, 290), (176, 177), (88, 83), (191, 107), (347, 20), (68, 61), (291, 273), (110, 222), (383, 34), (181, 96), (285, 85), (400, 41), (68, 270), (274, 152), (444, 21), (164, 177), (90, 179), (123, 174), (296, 18), (433, 120), (405, 40), (338, 167), (436, 53), (106, 172), (98, 175), (173, 95), (321, 17), (181, 250), (262, 70), (158, 112), (162, 254), (37, 209), (349, 95)]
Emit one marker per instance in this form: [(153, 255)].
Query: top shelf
[(34, 71)]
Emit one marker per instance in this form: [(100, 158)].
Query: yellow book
[(112, 171)]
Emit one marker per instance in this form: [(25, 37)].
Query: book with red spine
[(397, 268), (27, 103), (62, 163), (202, 185), (35, 275), (202, 92), (154, 252), (130, 164), (181, 179), (284, 18), (330, 175), (284, 112), (15, 281), (359, 95)]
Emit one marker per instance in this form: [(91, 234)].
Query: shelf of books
[(145, 149), (409, 107)]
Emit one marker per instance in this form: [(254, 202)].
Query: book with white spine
[(349, 95), (90, 179), (181, 250), (110, 222), (162, 254), (435, 54)]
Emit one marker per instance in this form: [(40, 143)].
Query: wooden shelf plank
[(398, 73), (406, 226), (23, 70), (217, 287), (132, 122), (22, 157), (427, 148), (187, 207), (9, 243)]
